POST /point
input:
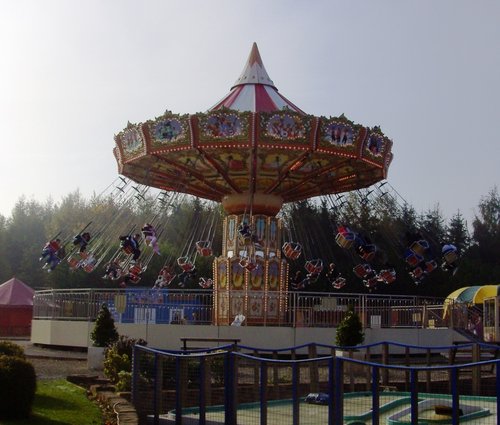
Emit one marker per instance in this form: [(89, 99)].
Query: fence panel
[(175, 306), (378, 384)]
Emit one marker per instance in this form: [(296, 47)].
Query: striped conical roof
[(254, 91)]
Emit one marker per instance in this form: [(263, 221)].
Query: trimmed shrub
[(104, 332), (8, 348), (17, 387), (350, 330)]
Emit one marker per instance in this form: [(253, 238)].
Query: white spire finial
[(254, 71)]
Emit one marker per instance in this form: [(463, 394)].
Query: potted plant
[(103, 335)]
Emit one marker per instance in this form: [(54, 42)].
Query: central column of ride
[(250, 277)]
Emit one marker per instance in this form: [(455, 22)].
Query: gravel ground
[(59, 368), (52, 363)]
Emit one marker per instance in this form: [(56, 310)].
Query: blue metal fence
[(386, 383)]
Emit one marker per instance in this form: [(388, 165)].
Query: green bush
[(17, 387), (114, 363), (350, 330), (104, 332), (118, 357), (124, 381), (10, 349), (125, 345)]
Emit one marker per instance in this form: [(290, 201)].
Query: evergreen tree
[(432, 225), (486, 233), (480, 263), (104, 332), (5, 268), (350, 330), (457, 233)]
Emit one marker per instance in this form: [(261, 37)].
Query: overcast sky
[(72, 73)]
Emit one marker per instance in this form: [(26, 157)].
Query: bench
[(186, 340)]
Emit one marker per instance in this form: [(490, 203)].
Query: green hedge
[(17, 387), (10, 349)]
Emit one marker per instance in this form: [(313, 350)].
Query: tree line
[(312, 223)]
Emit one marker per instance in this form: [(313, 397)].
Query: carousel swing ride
[(253, 152)]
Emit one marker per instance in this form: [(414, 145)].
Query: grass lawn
[(59, 402)]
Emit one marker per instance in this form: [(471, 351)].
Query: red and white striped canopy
[(254, 91), (253, 146)]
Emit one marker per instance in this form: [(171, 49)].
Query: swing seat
[(204, 248), (344, 230), (166, 270), (430, 266), (314, 266), (185, 264), (387, 276), (187, 267), (134, 278), (419, 247), (371, 283), (412, 258), (127, 249), (251, 267), (367, 252), (313, 277), (292, 250), (164, 279), (450, 257), (248, 264), (135, 270), (119, 273), (362, 270), (339, 283), (89, 268), (73, 263), (417, 273), (345, 240), (205, 283)]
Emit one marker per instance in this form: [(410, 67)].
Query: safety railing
[(384, 383), (196, 307)]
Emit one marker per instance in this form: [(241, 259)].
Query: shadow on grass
[(41, 420), (48, 402), (35, 419)]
